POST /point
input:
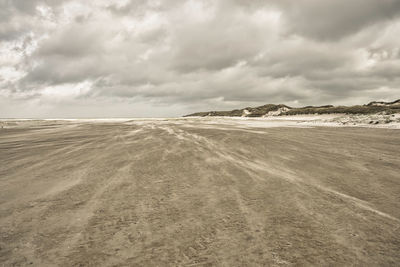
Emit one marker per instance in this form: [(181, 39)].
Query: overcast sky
[(121, 58)]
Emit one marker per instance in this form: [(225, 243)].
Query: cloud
[(184, 56), (332, 20)]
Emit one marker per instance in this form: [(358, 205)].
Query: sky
[(149, 58)]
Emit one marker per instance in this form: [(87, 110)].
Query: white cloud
[(193, 55)]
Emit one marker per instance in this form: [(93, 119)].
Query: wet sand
[(197, 193)]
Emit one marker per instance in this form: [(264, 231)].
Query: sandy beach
[(199, 192)]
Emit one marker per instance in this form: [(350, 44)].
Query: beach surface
[(199, 192)]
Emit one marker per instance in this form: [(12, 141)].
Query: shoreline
[(326, 120)]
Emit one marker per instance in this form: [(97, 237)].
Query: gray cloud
[(330, 20), (183, 56)]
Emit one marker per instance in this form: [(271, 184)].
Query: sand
[(199, 192)]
